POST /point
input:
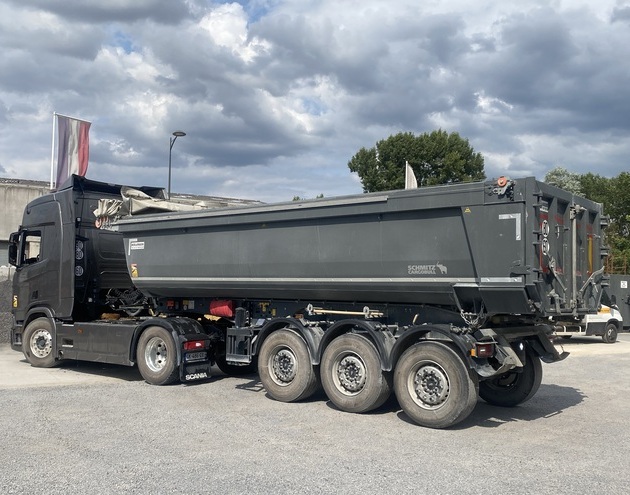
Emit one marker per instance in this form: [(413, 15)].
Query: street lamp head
[(176, 134)]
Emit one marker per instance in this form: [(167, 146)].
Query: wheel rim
[(503, 382), (428, 385), (156, 354), (283, 365), (41, 343), (349, 374)]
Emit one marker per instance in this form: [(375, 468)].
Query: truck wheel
[(157, 356), (37, 343), (610, 335), (284, 367), (512, 388), (351, 374), (434, 386)]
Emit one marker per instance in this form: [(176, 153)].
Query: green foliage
[(298, 198), (613, 194), (562, 178), (436, 158)]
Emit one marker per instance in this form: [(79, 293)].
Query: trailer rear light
[(482, 350), (192, 345)]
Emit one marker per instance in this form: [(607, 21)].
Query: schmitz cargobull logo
[(435, 269)]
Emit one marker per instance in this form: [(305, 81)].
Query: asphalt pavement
[(95, 428)]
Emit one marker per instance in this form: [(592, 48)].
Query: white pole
[(52, 154)]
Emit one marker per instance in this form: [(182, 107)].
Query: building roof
[(25, 182)]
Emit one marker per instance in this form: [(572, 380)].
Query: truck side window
[(31, 247)]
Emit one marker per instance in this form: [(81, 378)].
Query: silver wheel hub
[(156, 354), (350, 374), (284, 366), (430, 386), (41, 343)]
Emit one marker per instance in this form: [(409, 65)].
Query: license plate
[(196, 356)]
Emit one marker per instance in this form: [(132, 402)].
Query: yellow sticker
[(134, 270), (15, 301), (467, 210)]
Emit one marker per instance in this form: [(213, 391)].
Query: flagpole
[(52, 154)]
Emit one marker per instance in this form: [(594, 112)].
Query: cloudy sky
[(276, 96)]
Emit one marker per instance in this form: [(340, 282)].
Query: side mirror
[(13, 248)]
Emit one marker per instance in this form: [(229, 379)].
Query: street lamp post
[(176, 134)]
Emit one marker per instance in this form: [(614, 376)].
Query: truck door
[(37, 259)]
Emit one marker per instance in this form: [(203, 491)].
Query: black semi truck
[(440, 294)]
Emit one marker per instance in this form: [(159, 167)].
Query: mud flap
[(545, 349), (192, 372)]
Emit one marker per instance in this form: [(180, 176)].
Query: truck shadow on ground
[(551, 400), (106, 370)]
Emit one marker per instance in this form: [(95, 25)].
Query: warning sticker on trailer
[(133, 245)]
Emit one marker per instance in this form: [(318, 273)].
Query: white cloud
[(276, 96)]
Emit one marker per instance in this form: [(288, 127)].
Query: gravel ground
[(5, 311), (100, 434)]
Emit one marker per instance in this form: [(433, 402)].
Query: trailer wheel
[(37, 343), (610, 335), (351, 374), (512, 388), (284, 367), (433, 385), (157, 356)]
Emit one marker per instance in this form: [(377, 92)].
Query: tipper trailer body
[(441, 294)]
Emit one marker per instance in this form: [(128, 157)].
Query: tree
[(436, 158), (298, 198), (612, 193), (562, 178)]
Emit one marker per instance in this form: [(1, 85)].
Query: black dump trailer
[(440, 294)]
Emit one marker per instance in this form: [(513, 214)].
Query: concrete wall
[(15, 194), (6, 273)]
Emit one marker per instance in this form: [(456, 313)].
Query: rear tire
[(351, 374), (37, 343), (610, 335), (512, 388), (157, 356), (284, 367), (434, 386)]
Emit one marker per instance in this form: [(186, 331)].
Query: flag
[(73, 147), (410, 177)]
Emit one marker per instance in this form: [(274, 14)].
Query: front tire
[(434, 386), (610, 335), (351, 374), (157, 356), (284, 367), (37, 343), (512, 388)]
